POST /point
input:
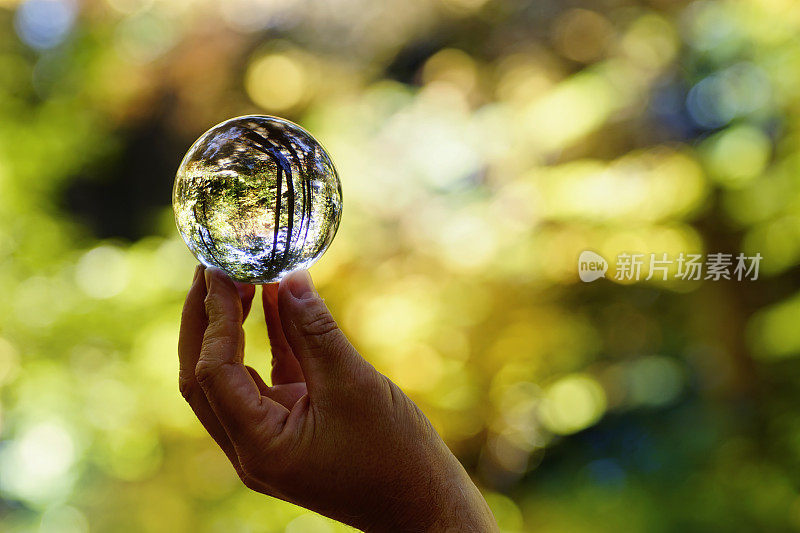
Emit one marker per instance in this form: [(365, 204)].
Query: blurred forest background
[(482, 145)]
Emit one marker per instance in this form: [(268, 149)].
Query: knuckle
[(204, 372), (186, 387), (318, 322), (248, 481), (322, 335), (223, 325)]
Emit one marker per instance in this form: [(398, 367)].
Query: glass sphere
[(257, 196)]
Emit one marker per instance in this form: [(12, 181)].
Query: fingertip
[(222, 295), (212, 273), (246, 293), (198, 279), (300, 285), (198, 270), (269, 298), (269, 292), (295, 297), (218, 280)]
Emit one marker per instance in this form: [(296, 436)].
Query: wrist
[(443, 503)]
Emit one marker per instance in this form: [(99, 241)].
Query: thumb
[(325, 354)]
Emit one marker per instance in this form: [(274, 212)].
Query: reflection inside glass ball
[(257, 197)]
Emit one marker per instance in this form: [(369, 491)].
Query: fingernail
[(300, 285)]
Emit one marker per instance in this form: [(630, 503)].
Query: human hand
[(331, 434)]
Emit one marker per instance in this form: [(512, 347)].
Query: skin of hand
[(331, 434)]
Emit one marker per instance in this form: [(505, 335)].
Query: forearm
[(468, 512)]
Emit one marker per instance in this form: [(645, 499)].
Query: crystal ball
[(257, 196)]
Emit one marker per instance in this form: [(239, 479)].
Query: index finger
[(193, 326), (228, 385)]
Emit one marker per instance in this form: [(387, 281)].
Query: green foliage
[(482, 145)]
